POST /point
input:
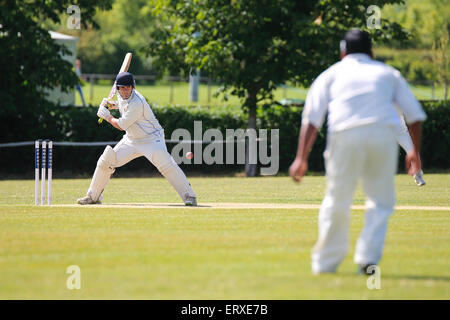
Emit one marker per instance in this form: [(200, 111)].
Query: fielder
[(360, 95), (144, 137), (405, 141)]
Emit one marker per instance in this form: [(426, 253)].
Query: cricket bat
[(125, 65)]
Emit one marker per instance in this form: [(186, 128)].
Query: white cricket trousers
[(156, 152), (367, 153), (403, 137)]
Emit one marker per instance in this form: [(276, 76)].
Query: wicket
[(45, 163)]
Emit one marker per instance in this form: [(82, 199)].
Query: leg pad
[(103, 172)]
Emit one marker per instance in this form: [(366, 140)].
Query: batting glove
[(104, 102), (112, 104), (103, 112)]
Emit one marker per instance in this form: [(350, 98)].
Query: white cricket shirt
[(358, 91), (137, 119)]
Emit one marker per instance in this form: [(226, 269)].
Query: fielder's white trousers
[(367, 153), (403, 137)]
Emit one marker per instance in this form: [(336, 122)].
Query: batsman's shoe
[(418, 177), (367, 269), (191, 201), (88, 200)]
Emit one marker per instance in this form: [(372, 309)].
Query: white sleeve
[(130, 116), (316, 104), (405, 100)]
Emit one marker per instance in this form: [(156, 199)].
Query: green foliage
[(425, 20), (416, 64), (124, 28), (288, 120), (31, 60), (174, 117), (80, 125), (436, 135), (254, 45), (441, 58)]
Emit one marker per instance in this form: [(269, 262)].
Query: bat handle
[(100, 120)]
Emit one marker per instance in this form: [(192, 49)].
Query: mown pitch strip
[(235, 205)]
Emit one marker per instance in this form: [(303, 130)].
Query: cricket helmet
[(125, 79)]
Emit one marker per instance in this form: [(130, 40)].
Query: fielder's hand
[(103, 112), (413, 163), (298, 169)]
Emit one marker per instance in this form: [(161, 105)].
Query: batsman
[(144, 136)]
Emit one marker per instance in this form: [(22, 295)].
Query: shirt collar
[(357, 56)]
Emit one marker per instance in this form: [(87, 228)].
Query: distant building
[(56, 95)]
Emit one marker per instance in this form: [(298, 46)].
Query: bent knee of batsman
[(108, 160)]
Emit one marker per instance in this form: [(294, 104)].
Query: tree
[(441, 58), (31, 60), (124, 28), (253, 45), (423, 19), (428, 23)]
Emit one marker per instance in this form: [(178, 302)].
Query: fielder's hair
[(356, 41)]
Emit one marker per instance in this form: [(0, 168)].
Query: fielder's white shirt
[(137, 119), (358, 91)]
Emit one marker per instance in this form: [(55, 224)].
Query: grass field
[(211, 252), (161, 94)]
